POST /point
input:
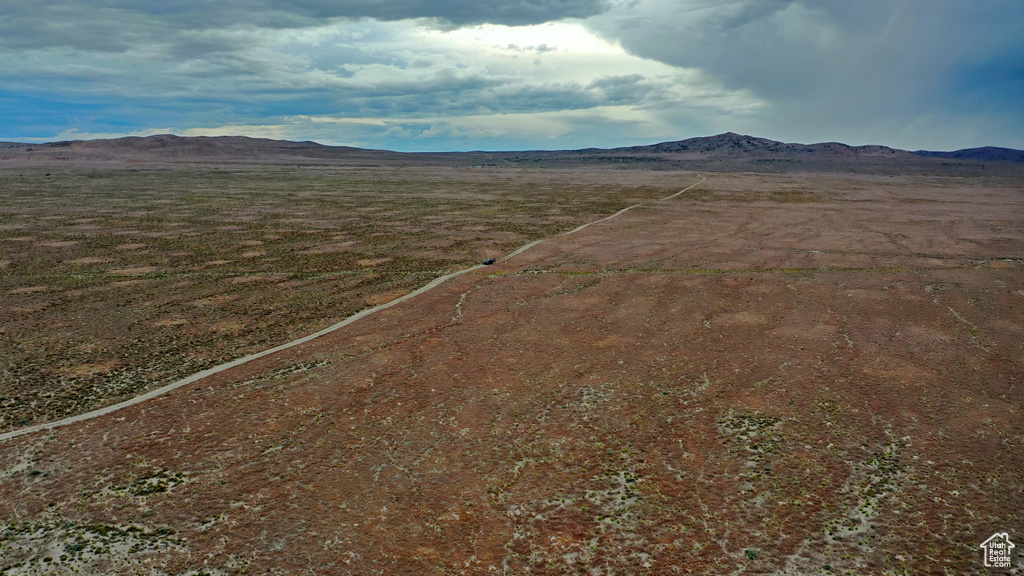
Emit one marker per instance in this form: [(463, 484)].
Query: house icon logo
[(998, 550)]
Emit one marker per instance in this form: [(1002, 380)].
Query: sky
[(440, 75)]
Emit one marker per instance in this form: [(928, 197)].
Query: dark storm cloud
[(776, 47), (118, 25), (459, 12), (838, 64), (29, 25)]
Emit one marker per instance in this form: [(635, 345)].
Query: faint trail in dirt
[(624, 210), (687, 189), (522, 249), (245, 359)]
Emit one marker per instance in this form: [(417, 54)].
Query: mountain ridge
[(729, 148), (986, 153), (733, 144)]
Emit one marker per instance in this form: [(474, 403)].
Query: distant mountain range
[(732, 144), (723, 151), (987, 154)]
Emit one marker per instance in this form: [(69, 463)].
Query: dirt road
[(245, 359)]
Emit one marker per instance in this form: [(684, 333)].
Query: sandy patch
[(62, 244), (130, 246), (124, 283), (216, 300), (171, 322), (85, 370), (27, 309), (90, 260), (860, 294), (1008, 326), (924, 335), (327, 249), (29, 290), (373, 261), (818, 332), (135, 270), (228, 326), (899, 370), (610, 341), (258, 278), (378, 299), (252, 254), (740, 319)]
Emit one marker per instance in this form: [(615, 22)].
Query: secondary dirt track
[(745, 378)]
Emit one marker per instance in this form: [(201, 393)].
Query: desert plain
[(808, 372)]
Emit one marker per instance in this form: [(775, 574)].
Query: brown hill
[(168, 148), (732, 144), (987, 154)]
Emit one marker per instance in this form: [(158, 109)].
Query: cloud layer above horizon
[(515, 74)]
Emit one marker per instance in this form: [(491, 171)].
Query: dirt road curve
[(245, 359)]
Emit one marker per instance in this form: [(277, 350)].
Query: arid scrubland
[(796, 374), (114, 281)]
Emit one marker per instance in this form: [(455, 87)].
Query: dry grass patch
[(225, 262)]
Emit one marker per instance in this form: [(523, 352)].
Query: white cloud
[(548, 37), (476, 84)]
